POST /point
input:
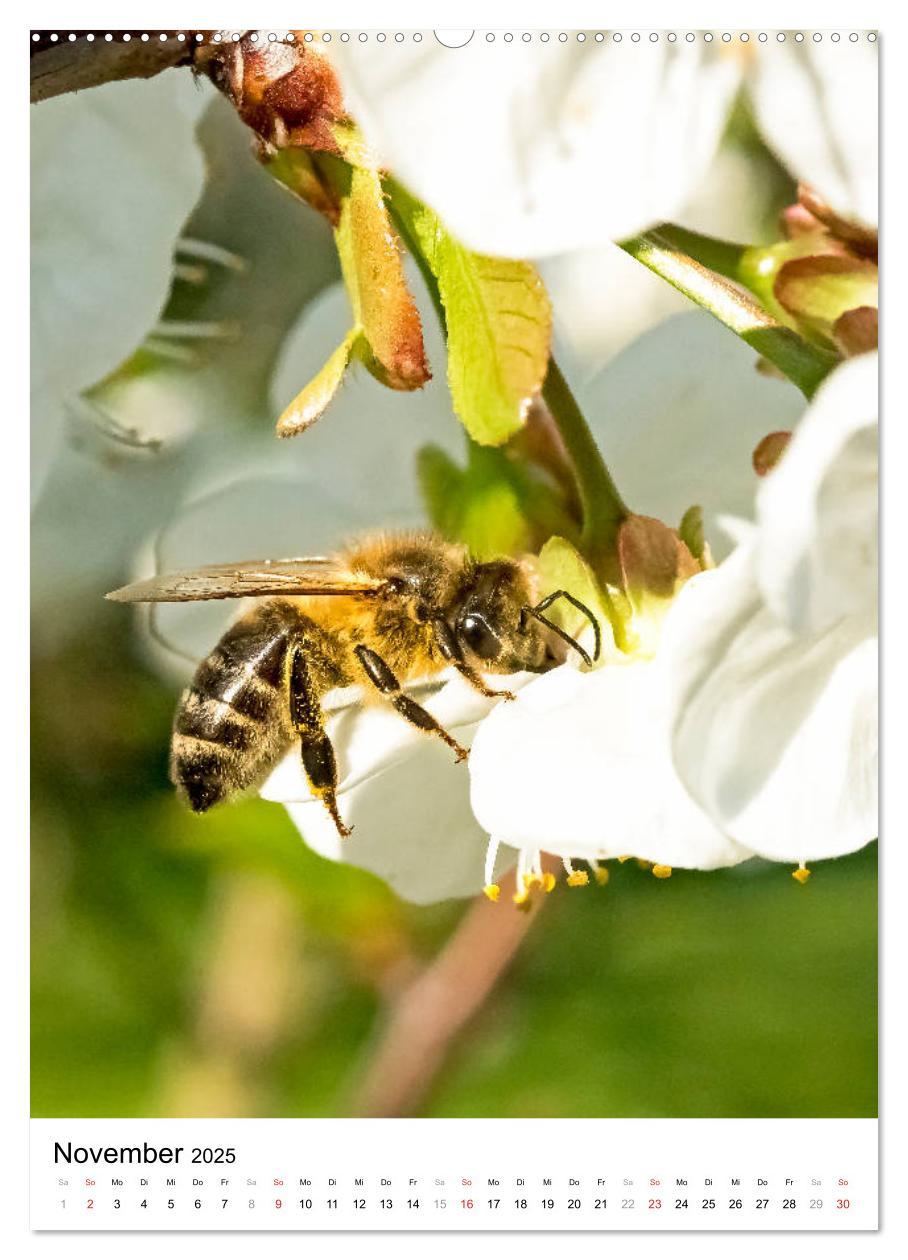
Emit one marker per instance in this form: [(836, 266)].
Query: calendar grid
[(605, 1175)]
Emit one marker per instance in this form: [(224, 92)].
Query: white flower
[(115, 173), (817, 106), (754, 730), (529, 149), (571, 768), (534, 149), (402, 793), (773, 657)]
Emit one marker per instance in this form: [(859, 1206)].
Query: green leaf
[(499, 324), (561, 567), (313, 398), (692, 534), (495, 505)]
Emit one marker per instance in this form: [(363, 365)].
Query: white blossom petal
[(734, 201), (817, 105), (817, 554), (579, 766), (591, 331), (678, 414), (401, 791), (774, 732), (115, 173), (530, 149)]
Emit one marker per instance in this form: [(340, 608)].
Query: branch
[(66, 65), (424, 1021)]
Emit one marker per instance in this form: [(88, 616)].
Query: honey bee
[(385, 612)]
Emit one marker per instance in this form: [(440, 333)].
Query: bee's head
[(490, 627)]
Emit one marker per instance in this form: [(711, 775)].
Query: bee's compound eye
[(479, 637)]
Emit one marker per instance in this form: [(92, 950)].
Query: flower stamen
[(600, 873), (490, 888), (522, 900), (575, 879), (802, 874), (662, 872)]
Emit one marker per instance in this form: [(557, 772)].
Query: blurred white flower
[(115, 171), (772, 658), (535, 149), (817, 105), (679, 435), (530, 149), (756, 721)]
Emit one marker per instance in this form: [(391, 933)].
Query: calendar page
[(454, 560)]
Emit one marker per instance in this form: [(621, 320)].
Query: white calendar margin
[(454, 1160)]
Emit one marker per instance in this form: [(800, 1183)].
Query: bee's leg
[(447, 644), (382, 677), (315, 747)]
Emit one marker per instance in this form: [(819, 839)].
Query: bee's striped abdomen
[(232, 722)]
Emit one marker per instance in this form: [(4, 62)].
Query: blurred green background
[(215, 966)]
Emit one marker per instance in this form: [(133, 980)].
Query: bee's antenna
[(537, 611)]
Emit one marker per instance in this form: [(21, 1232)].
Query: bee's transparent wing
[(308, 575)]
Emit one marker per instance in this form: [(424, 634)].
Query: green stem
[(721, 256), (805, 365), (603, 507)]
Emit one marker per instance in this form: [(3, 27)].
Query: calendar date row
[(519, 1204)]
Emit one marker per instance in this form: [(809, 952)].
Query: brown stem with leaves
[(419, 1029)]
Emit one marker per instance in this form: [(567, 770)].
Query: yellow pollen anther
[(662, 872), (522, 900), (601, 874), (577, 879), (625, 858), (802, 874), (548, 882), (532, 880), (643, 864), (492, 891)]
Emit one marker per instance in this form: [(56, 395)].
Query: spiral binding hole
[(55, 37)]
